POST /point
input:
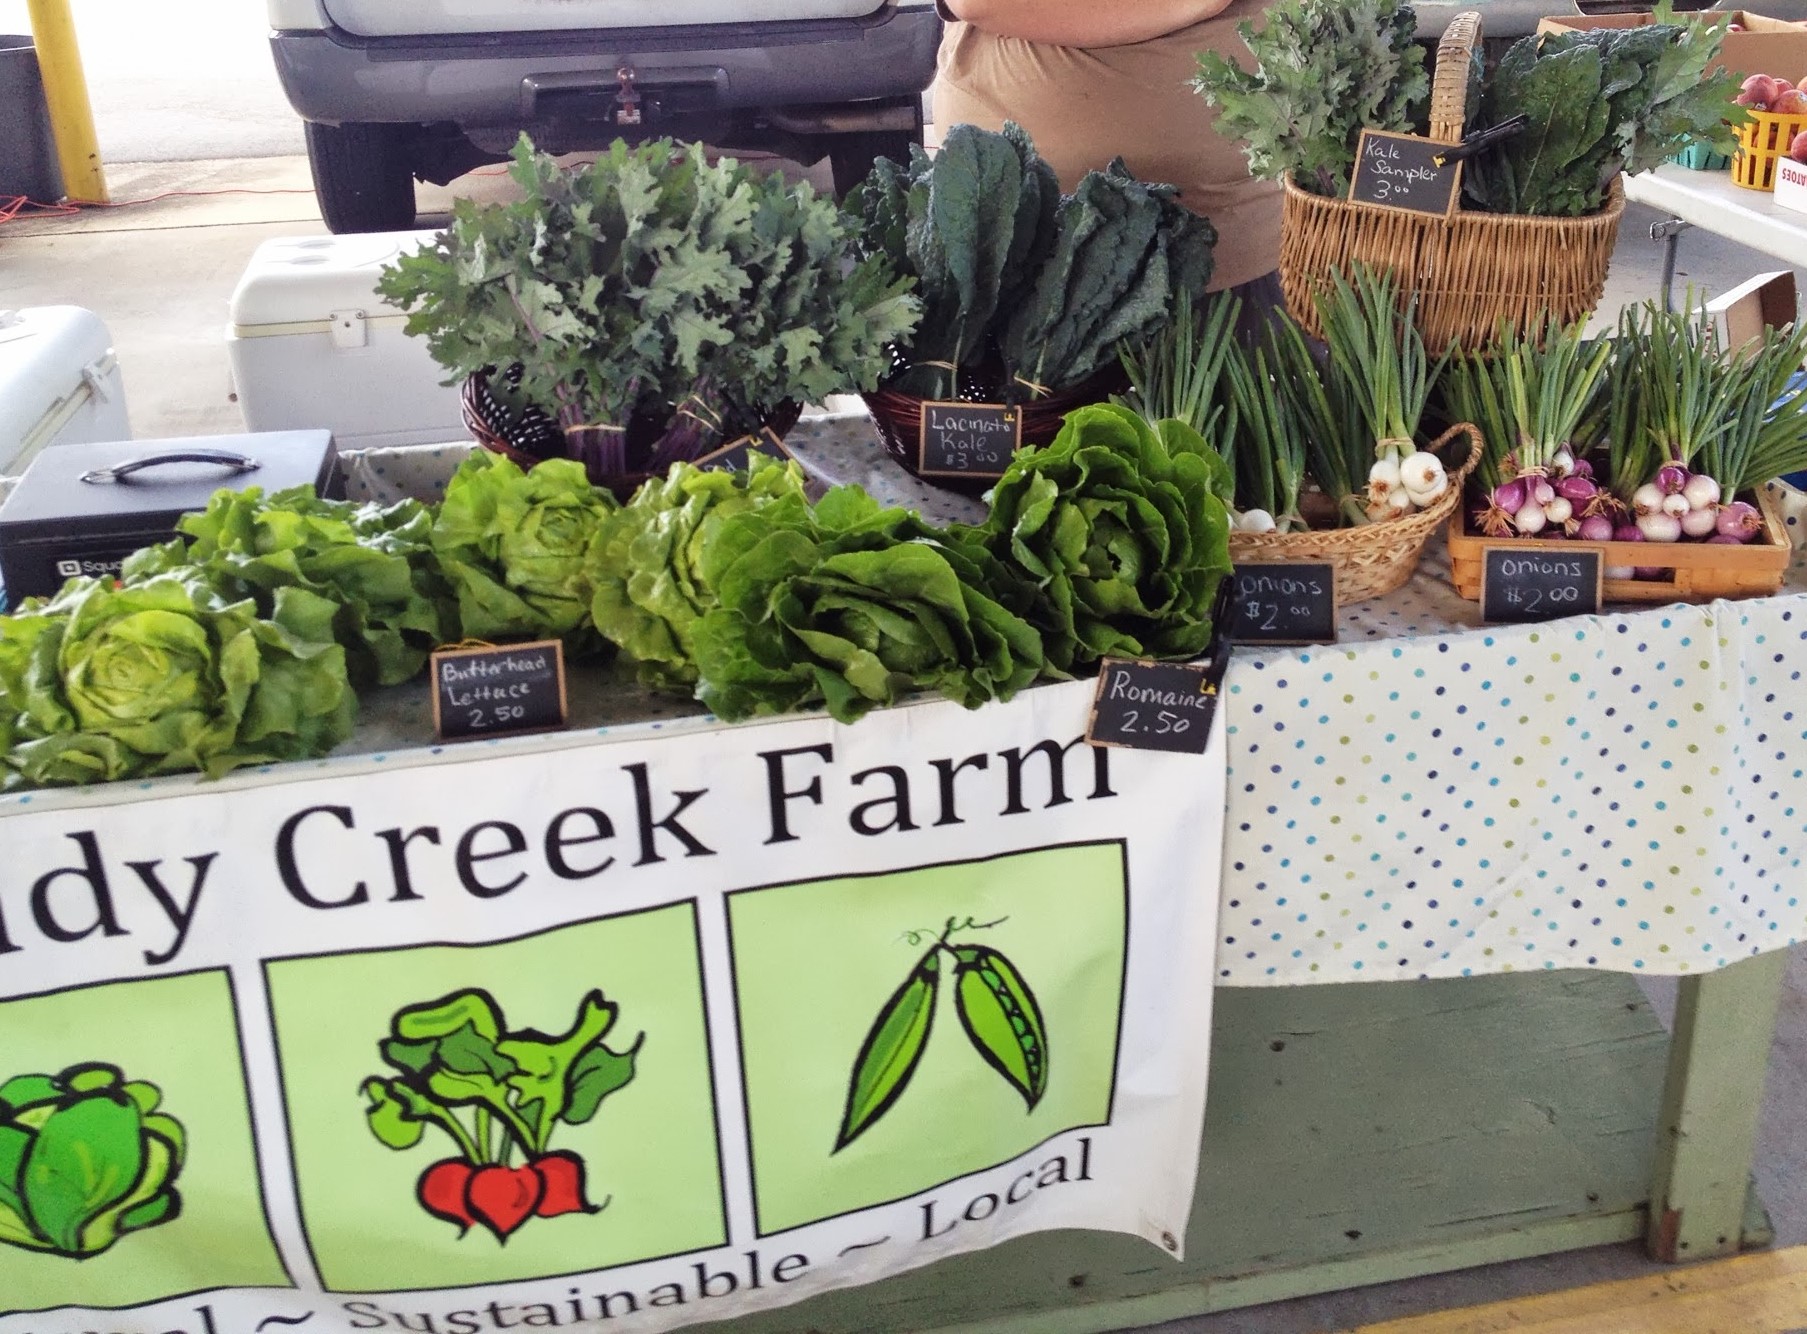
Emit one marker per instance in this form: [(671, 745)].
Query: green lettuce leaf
[(513, 547), (644, 562), (376, 563), (105, 682), (852, 605), (1122, 532)]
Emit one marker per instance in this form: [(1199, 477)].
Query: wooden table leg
[(1707, 1133)]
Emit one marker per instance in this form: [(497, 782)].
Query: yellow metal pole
[(66, 93)]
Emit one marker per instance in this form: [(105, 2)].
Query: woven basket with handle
[(534, 437), (1371, 559), (1470, 270)]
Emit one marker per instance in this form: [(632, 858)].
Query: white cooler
[(59, 383), (313, 346)]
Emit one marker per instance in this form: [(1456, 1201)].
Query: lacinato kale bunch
[(1024, 293)]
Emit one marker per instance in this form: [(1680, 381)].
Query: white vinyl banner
[(629, 1033)]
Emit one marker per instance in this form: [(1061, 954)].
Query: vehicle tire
[(362, 177), (852, 155)]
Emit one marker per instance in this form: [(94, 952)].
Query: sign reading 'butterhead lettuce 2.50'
[(635, 1029)]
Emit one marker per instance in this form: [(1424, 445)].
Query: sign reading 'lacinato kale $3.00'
[(968, 439)]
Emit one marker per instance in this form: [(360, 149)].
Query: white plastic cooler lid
[(293, 284), (47, 354)]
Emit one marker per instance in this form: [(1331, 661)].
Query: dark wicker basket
[(898, 418), (534, 437)]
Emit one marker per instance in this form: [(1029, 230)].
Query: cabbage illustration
[(85, 1157)]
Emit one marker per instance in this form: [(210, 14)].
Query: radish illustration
[(499, 1094)]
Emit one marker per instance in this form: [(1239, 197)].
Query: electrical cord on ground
[(14, 207)]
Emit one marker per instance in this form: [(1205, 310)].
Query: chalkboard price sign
[(1400, 171), (498, 690), (1284, 604), (1155, 705), (1538, 585), (734, 457), (968, 439)]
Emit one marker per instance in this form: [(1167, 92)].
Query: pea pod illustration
[(892, 1048), (998, 1012), (1002, 1020)]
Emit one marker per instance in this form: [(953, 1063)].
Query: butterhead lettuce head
[(104, 683)]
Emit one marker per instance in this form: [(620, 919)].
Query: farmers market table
[(1510, 824), (1709, 200)]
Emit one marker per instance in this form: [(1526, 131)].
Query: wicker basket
[(1470, 270), (898, 418), (1372, 559), (536, 437)]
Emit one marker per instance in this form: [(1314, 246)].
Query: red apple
[(1756, 91), (1798, 149), (1793, 102)]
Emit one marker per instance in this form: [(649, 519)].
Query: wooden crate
[(1699, 572)]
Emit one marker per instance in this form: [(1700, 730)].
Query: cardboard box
[(1766, 301), (1766, 46), (1791, 184)]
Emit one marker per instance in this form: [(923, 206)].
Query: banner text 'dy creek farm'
[(629, 1034)]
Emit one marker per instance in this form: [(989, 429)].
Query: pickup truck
[(395, 90)]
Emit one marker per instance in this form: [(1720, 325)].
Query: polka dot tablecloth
[(1432, 797), (1617, 791)]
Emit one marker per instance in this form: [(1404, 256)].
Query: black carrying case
[(82, 509)]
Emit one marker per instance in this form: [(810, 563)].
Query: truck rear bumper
[(507, 79)]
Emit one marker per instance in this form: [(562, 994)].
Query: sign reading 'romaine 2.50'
[(637, 1029)]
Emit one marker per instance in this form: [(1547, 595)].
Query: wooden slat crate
[(1699, 571)]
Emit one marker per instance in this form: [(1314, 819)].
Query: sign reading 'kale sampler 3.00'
[(1401, 171), (495, 691)]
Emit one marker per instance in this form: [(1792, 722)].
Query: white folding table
[(1709, 199)]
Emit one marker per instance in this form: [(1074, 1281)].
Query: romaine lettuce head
[(512, 545), (376, 562), (1119, 527), (645, 563), (85, 1157), (851, 605), (163, 676)]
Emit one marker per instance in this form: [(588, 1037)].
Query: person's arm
[(1083, 22)]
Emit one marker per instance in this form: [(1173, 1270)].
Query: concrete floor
[(159, 269)]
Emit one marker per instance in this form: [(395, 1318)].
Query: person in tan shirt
[(1091, 80)]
